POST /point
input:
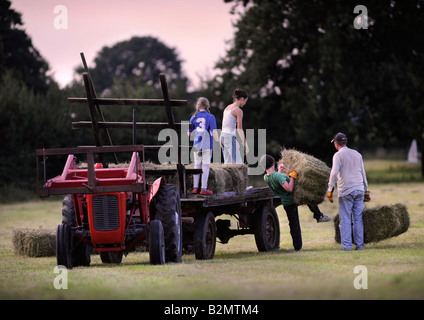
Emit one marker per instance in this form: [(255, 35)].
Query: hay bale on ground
[(39, 242), (312, 183), (380, 222)]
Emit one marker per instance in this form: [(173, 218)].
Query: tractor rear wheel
[(205, 236), (156, 242), (266, 229), (167, 208)]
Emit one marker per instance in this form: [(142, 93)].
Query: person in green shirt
[(282, 186)]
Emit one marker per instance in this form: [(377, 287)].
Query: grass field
[(321, 270)]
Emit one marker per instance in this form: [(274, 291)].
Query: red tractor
[(113, 210)]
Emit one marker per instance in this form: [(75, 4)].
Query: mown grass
[(319, 271), (390, 171)]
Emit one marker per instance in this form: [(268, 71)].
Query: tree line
[(311, 73)]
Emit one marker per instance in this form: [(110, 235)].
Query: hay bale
[(312, 183), (222, 177), (151, 177), (39, 242), (227, 178), (380, 222)]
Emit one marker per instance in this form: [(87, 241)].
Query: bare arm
[(288, 186), (282, 168), (238, 113), (215, 135)]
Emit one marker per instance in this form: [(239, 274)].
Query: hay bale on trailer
[(39, 242), (312, 183), (380, 222), (152, 167), (228, 177), (222, 177)]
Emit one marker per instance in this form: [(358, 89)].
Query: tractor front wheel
[(156, 243), (111, 257), (166, 207), (63, 248), (71, 251)]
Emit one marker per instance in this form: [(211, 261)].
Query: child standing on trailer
[(232, 123), (203, 125)]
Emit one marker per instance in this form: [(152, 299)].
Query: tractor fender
[(155, 188)]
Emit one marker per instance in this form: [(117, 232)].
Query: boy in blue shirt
[(203, 125)]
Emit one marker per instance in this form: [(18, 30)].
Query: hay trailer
[(113, 210)]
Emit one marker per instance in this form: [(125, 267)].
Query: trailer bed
[(231, 198)]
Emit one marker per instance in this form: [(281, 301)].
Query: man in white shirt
[(349, 174)]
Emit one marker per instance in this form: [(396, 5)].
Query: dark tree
[(139, 60), (17, 52), (311, 73)]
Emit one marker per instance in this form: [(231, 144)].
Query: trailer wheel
[(167, 208), (156, 242), (205, 236), (78, 251), (111, 256), (267, 229)]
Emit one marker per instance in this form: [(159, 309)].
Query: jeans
[(229, 149), (294, 225), (350, 212)]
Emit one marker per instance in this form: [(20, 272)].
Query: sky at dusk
[(198, 29)]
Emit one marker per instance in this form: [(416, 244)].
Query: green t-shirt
[(275, 181)]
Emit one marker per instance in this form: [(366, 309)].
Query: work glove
[(293, 174), (367, 197), (330, 196)]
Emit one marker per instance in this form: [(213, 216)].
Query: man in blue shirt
[(203, 125)]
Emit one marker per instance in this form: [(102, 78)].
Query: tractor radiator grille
[(105, 213)]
